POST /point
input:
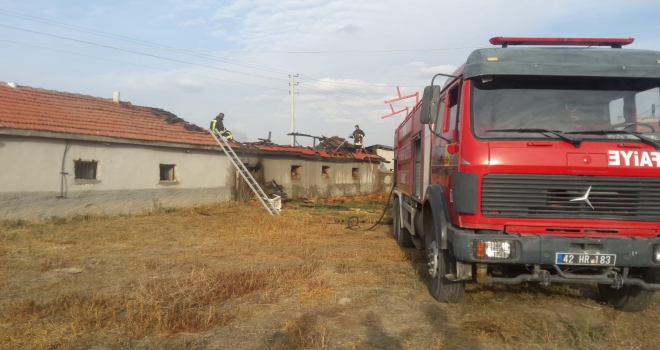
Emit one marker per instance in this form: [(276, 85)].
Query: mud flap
[(435, 196)]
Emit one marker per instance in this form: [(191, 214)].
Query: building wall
[(128, 178), (312, 183), (388, 156)]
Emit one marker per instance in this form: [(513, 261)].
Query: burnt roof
[(27, 111), (379, 146)]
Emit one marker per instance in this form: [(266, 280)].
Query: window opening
[(453, 113), (168, 172), (296, 172), (85, 170), (646, 104), (355, 174), (441, 116), (325, 172)]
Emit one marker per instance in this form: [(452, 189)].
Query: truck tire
[(441, 260), (401, 234), (631, 298)]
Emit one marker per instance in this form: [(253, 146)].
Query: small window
[(355, 174), (168, 172), (296, 172), (85, 170), (453, 109), (325, 172), (441, 115)]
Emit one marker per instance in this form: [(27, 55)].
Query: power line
[(128, 39), (355, 51), (141, 65), (148, 55), (124, 38), (166, 58), (374, 85), (153, 45), (350, 98), (197, 50), (169, 48), (320, 82), (369, 110), (28, 42), (188, 74), (378, 104), (119, 37)]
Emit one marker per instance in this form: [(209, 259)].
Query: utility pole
[(292, 92)]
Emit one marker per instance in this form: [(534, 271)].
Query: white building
[(64, 154), (385, 152)]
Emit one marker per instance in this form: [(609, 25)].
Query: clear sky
[(199, 58)]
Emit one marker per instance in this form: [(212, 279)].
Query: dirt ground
[(231, 277)]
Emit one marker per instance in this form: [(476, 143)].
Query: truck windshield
[(578, 105)]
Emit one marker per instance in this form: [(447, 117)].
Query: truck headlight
[(494, 249), (656, 253)]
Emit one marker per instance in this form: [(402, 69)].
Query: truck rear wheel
[(401, 234), (631, 298), (440, 262)]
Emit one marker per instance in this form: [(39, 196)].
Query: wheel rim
[(433, 253)]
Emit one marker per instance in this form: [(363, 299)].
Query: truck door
[(444, 163)]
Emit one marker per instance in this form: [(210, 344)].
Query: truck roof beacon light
[(613, 42)]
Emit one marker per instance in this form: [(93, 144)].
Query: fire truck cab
[(537, 164)]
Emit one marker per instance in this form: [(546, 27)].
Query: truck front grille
[(549, 196)]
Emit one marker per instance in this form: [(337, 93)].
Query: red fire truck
[(537, 164)]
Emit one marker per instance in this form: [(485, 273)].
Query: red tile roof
[(45, 110), (27, 108)]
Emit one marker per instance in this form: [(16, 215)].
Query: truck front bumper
[(541, 250)]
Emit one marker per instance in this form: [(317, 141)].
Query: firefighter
[(218, 127), (358, 137)]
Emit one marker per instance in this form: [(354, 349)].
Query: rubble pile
[(335, 143)]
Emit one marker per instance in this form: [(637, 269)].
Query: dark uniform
[(218, 127), (358, 137)]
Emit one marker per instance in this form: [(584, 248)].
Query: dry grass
[(304, 332), (192, 303), (230, 276)]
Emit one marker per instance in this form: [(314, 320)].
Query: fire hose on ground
[(354, 221)]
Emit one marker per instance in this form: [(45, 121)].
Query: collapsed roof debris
[(334, 144)]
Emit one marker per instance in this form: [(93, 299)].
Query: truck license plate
[(585, 259)]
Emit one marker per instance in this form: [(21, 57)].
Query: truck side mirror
[(430, 99)]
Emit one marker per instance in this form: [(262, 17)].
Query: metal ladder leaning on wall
[(247, 176)]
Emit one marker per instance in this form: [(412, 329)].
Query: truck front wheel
[(631, 298), (440, 262), (401, 234)]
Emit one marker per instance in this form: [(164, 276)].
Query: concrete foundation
[(44, 205)]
